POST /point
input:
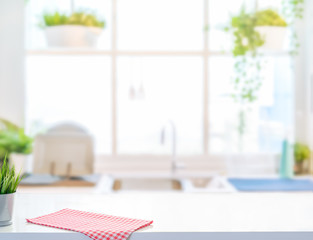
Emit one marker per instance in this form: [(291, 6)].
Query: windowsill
[(251, 164), (96, 51)]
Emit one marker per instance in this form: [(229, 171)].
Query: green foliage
[(293, 11), (301, 152), (9, 179), (269, 17), (5, 124), (54, 19), (76, 18), (14, 140), (247, 39), (89, 20), (247, 80)]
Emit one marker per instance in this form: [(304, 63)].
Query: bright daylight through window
[(146, 73)]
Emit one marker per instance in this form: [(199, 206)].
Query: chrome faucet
[(173, 162)]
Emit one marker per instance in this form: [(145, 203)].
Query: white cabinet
[(12, 60)]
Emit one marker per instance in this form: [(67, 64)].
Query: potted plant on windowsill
[(264, 30), (272, 28), (250, 35), (15, 143), (301, 155), (9, 181), (79, 29)]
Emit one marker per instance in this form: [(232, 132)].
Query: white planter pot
[(20, 162), (72, 36), (274, 37), (6, 209)]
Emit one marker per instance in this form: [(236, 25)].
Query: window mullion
[(72, 2), (206, 80), (114, 77)]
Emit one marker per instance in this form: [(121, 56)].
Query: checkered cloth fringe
[(94, 225)]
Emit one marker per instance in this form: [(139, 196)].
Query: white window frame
[(114, 53)]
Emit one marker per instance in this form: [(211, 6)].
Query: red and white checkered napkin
[(94, 225)]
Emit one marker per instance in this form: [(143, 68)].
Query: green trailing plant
[(293, 10), (246, 82), (247, 79), (301, 152), (13, 139), (76, 18), (246, 38), (246, 42), (9, 179)]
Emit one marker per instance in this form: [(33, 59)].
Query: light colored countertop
[(176, 215)]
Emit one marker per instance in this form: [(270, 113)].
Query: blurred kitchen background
[(112, 95)]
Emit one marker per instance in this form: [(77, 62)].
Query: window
[(171, 89), (66, 95), (267, 122), (155, 62), (150, 25)]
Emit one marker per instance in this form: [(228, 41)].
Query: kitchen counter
[(223, 216)]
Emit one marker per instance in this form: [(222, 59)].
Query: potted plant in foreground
[(79, 29), (301, 155), (9, 181)]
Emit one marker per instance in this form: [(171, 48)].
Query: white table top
[(176, 215)]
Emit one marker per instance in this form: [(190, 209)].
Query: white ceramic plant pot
[(6, 209), (20, 162), (274, 37), (72, 36)]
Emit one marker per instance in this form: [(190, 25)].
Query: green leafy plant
[(293, 11), (9, 179), (76, 18), (13, 139), (301, 152), (269, 17), (246, 38), (246, 82), (248, 63), (247, 79), (54, 19)]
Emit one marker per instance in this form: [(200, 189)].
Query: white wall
[(303, 77), (309, 74), (12, 60)]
